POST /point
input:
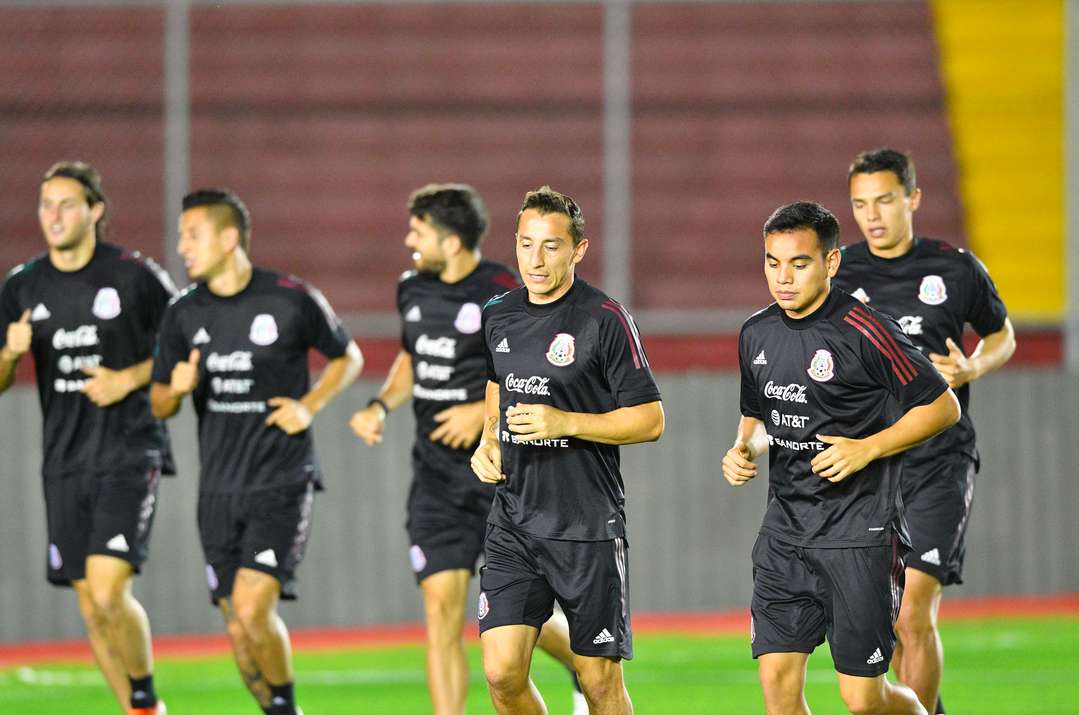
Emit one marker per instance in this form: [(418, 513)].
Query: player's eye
[(800, 266)]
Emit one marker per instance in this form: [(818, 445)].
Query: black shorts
[(264, 530), (525, 575), (937, 507), (445, 529), (850, 595), (110, 514)]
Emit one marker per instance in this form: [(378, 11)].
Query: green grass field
[(995, 667)]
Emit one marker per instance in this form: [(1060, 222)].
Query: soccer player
[(237, 341), (568, 381), (933, 290), (441, 365), (88, 311), (834, 392)]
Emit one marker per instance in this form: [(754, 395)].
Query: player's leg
[(554, 641), (243, 655), (603, 685), (444, 596), (876, 696), (507, 659), (783, 680), (919, 656), (255, 596), (107, 659)]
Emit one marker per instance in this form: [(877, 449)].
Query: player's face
[(203, 246), (426, 244), (66, 218), (884, 211), (798, 275), (546, 255)]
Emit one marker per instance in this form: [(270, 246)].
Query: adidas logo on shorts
[(875, 658), (603, 636), (932, 557)]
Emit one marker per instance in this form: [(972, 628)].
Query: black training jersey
[(253, 347), (105, 314), (440, 330), (845, 371), (581, 353), (932, 290)]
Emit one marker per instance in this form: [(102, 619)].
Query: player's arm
[(846, 456), (991, 353), (626, 425), (166, 397), (16, 344), (369, 422), (294, 416), (106, 387), (750, 442), (487, 459)]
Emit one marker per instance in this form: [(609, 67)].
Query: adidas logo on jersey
[(603, 636), (503, 347), (40, 312), (266, 558), (201, 337), (875, 658), (760, 359), (117, 543), (932, 557), (413, 315), (861, 295)]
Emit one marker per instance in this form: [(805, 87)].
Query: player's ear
[(231, 237), (579, 250), (915, 199), (452, 245), (832, 260), (97, 211)]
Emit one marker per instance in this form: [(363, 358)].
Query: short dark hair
[(548, 201), (885, 159), (90, 179), (452, 209), (802, 215), (226, 209)]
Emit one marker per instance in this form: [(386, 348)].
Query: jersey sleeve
[(156, 290), (322, 329), (171, 347), (892, 361), (626, 366), (488, 360), (9, 308), (749, 397), (401, 311), (987, 311)]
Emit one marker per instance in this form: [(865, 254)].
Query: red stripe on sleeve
[(889, 338), (865, 331), (629, 333)]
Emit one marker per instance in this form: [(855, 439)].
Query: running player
[(88, 312), (933, 290), (842, 393), (441, 365), (237, 341), (568, 381)]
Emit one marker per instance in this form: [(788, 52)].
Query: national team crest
[(107, 304), (562, 350), (484, 607), (822, 367), (211, 578), (417, 557), (932, 290), (468, 319), (56, 562), (263, 330)]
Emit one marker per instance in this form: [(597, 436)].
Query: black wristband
[(381, 403)]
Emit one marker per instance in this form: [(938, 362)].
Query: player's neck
[(810, 309), (234, 277), (459, 267), (905, 246), (74, 258)]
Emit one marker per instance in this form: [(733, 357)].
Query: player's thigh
[(221, 529), (591, 580), (124, 506), (443, 536), (937, 507), (68, 521), (278, 528), (444, 596), (787, 610), (507, 653), (861, 632), (513, 588), (782, 675)]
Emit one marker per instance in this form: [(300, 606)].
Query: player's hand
[(459, 426), (291, 416), (106, 387), (536, 422), (19, 335), (738, 466), (487, 462), (368, 424), (954, 367), (843, 458), (185, 375)]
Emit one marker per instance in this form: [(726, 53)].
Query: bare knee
[(915, 624), (867, 698), (505, 676), (107, 600), (600, 678), (250, 618)]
